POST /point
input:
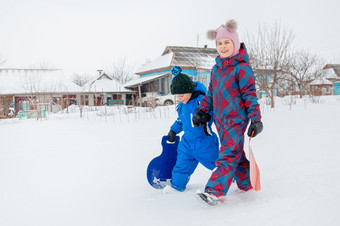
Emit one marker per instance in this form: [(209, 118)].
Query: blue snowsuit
[(198, 144)]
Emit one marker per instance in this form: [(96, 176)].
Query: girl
[(232, 98)]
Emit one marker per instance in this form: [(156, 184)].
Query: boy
[(198, 144)]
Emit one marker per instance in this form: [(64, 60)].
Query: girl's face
[(225, 47), (184, 98)]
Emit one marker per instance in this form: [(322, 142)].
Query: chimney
[(100, 71)]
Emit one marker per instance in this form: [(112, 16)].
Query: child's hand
[(200, 118), (255, 127), (172, 136)]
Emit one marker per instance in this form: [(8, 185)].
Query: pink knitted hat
[(226, 31)]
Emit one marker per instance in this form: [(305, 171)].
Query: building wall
[(5, 102), (321, 90), (337, 88)]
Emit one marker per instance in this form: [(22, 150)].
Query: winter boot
[(210, 198)]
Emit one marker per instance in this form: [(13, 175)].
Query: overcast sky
[(82, 36)]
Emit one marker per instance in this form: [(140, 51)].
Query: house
[(321, 86), (328, 83), (103, 89), (35, 89), (156, 76)]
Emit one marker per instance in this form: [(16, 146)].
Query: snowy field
[(69, 171)]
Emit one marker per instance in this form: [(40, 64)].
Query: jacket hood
[(200, 87), (242, 56)]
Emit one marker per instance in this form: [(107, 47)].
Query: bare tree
[(269, 52), (303, 68), (121, 71), (81, 79)]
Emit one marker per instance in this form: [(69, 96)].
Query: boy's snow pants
[(189, 153), (231, 162)]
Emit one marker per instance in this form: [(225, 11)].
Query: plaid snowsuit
[(232, 97)]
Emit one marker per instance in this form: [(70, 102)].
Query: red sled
[(254, 170), (159, 171)]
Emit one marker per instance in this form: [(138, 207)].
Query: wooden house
[(156, 76)]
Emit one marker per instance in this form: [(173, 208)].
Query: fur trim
[(231, 25), (211, 34)]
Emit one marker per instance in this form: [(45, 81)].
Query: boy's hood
[(200, 87)]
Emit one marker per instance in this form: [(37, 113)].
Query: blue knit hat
[(181, 83)]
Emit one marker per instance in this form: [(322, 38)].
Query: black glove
[(255, 127), (172, 136), (200, 118)]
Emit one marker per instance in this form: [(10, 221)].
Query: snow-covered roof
[(192, 56), (145, 79), (321, 81), (196, 57), (335, 67), (26, 81), (160, 62), (104, 83), (330, 73)]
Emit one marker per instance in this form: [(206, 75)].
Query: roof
[(196, 57), (105, 83), (192, 56), (321, 81), (146, 79), (330, 73), (160, 62), (335, 67), (27, 81)]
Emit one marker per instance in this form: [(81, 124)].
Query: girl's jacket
[(186, 113), (232, 93)]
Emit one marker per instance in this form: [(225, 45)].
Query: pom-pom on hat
[(181, 83), (226, 31)]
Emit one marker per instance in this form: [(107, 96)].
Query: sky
[(81, 36)]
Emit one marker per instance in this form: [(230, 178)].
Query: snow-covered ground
[(92, 171)]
